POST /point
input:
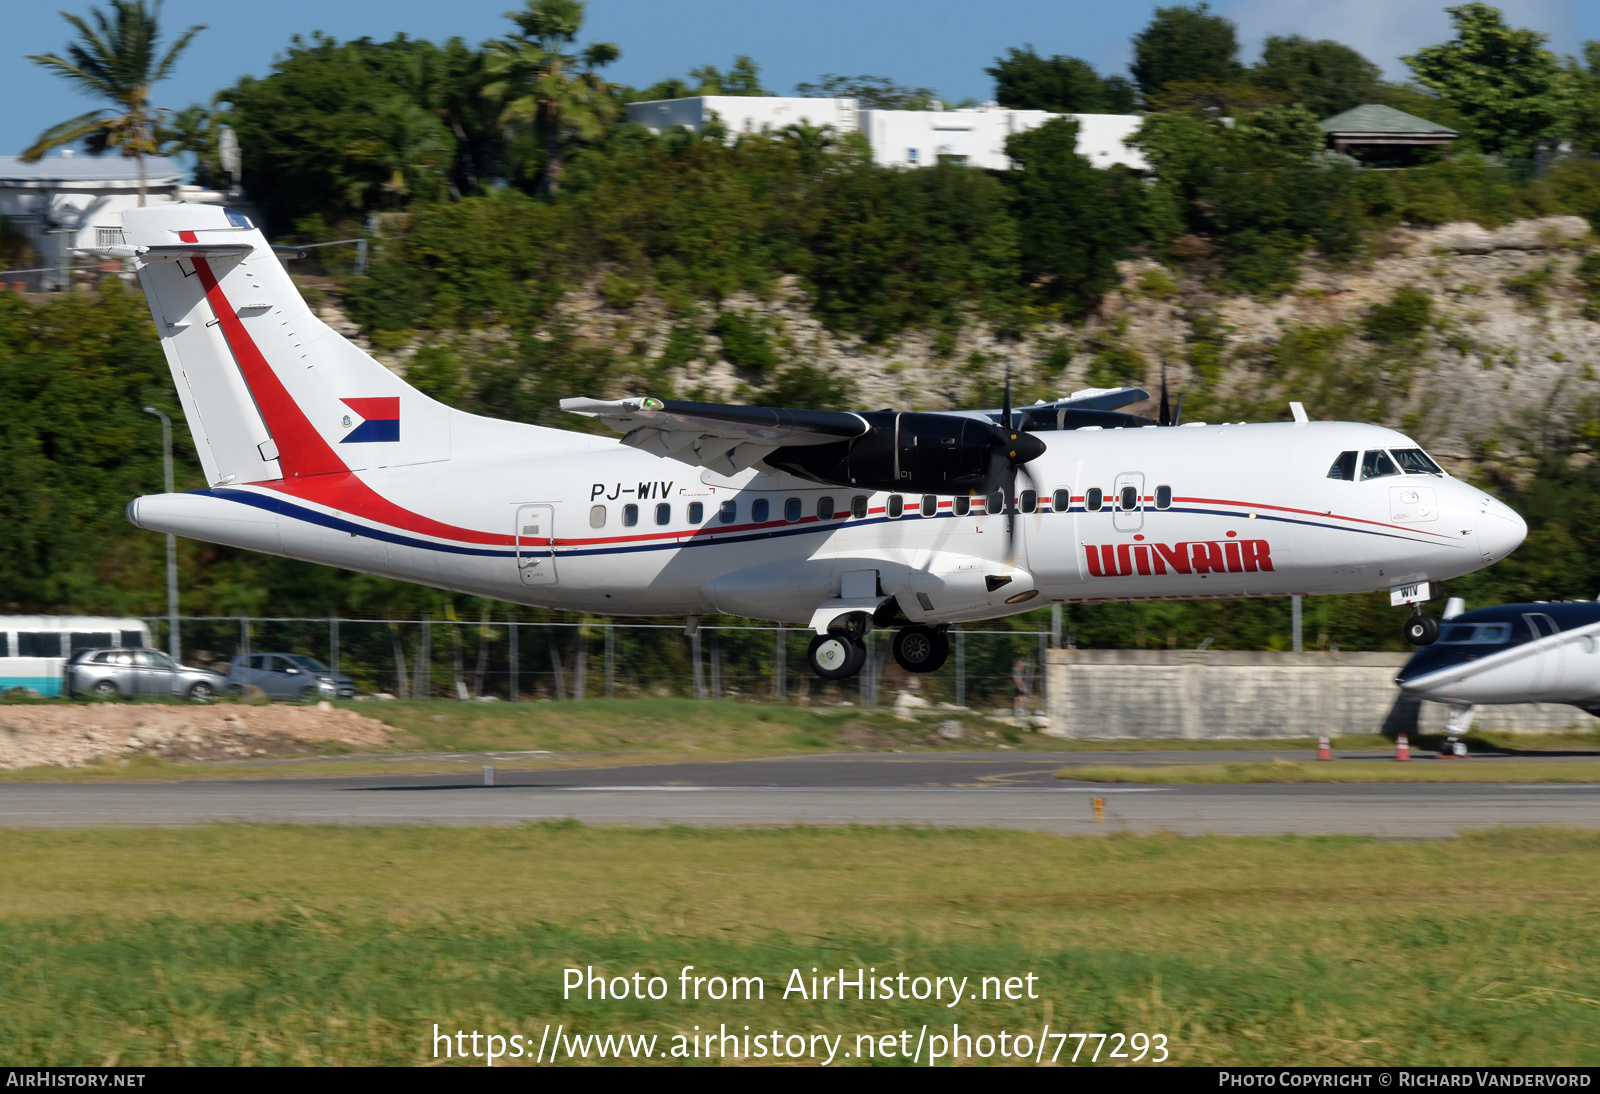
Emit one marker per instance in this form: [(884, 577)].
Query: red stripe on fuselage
[(312, 470)]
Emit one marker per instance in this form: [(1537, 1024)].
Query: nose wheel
[(1421, 630), (836, 656)]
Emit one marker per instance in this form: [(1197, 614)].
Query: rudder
[(269, 390)]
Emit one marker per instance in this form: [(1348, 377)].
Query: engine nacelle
[(912, 452)]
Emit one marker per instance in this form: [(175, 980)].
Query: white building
[(973, 136), (744, 113), (66, 202)]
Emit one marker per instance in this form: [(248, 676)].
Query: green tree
[(1023, 80), (1184, 44), (871, 92), (114, 60), (1324, 76), (342, 128), (1510, 89), (744, 78), (559, 94), (1585, 124), (1072, 231)]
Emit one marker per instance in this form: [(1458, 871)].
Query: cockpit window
[(1376, 464), (1414, 461), (1344, 467), (1475, 634)]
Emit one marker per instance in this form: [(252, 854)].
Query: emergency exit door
[(1127, 502), (536, 544)]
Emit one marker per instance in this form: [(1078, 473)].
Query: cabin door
[(536, 544)]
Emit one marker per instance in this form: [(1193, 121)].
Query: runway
[(969, 790)]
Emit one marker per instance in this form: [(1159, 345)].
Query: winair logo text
[(1231, 556)]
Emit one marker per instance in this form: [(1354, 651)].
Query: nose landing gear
[(1421, 630)]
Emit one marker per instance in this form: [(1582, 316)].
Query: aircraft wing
[(727, 439)]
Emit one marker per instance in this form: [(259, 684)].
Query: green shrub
[(1405, 318), (745, 343)]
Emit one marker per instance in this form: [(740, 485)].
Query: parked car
[(123, 673), (288, 676)]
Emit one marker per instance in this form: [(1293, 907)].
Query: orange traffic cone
[(1324, 751), (1402, 748)]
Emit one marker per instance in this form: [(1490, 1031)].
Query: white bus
[(34, 648)]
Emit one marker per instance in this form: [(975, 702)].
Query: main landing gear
[(839, 655)]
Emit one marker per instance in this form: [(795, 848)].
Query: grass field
[(241, 944), (1427, 770)]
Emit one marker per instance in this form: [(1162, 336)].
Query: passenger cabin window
[(824, 508), (1344, 467), (664, 513), (1030, 501), (930, 505), (1414, 461), (1376, 464), (897, 505), (630, 515), (597, 516), (697, 512), (961, 506), (1130, 499), (858, 506), (996, 503), (759, 510), (729, 512), (1163, 497), (1061, 501), (1092, 498), (791, 510)]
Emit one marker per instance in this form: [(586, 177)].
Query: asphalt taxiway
[(1012, 790)]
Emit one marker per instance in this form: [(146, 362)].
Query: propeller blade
[(1166, 407), (1011, 515), (1177, 417), (1005, 407)]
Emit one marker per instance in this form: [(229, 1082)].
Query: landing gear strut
[(921, 649)]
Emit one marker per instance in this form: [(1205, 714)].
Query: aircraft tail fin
[(271, 392)]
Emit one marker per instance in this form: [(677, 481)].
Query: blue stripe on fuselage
[(287, 508)]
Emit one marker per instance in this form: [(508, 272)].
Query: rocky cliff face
[(1456, 334)]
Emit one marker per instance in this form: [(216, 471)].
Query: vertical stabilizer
[(270, 391)]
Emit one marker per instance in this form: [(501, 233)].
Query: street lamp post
[(172, 540)]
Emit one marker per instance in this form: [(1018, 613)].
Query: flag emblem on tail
[(380, 419)]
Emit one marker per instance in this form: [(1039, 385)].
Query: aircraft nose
[(1500, 529)]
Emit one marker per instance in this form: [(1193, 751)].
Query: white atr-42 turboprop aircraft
[(839, 521)]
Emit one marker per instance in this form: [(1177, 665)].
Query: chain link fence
[(517, 661)]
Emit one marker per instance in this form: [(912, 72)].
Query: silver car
[(287, 676), (123, 673)]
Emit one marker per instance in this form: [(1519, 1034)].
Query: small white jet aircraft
[(838, 521), (1511, 653)]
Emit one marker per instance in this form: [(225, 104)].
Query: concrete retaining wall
[(1203, 694)]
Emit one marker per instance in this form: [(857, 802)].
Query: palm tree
[(556, 92), (114, 60)]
